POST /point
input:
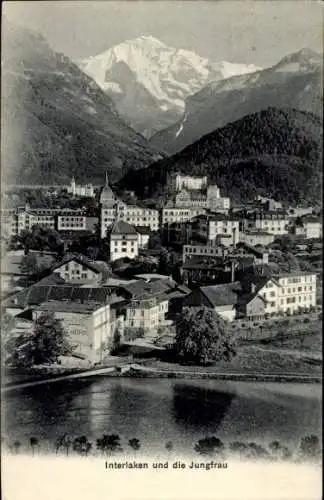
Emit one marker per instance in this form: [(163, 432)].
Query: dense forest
[(273, 152)]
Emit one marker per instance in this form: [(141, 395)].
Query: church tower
[(107, 197)]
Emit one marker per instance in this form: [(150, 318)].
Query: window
[(124, 250), (84, 275), (272, 304)]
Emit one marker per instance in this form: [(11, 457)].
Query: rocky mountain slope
[(149, 81), (276, 152), (56, 121), (295, 82)]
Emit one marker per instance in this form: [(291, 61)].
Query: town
[(116, 271)]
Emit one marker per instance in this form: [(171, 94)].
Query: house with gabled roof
[(77, 268)]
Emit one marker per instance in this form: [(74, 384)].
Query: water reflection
[(199, 407), (157, 410)]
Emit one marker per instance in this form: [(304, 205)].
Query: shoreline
[(138, 371)]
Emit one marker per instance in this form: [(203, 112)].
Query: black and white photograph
[(161, 249)]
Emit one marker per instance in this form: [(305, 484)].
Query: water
[(159, 410)]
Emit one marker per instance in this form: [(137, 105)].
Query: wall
[(123, 246), (75, 271), (227, 312)]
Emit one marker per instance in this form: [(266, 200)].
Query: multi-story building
[(173, 214), (178, 181), (211, 249), (75, 220), (112, 209), (208, 197), (256, 296), (216, 226), (138, 216), (90, 326), (270, 222), (311, 227), (77, 268), (147, 313), (86, 190), (255, 238), (124, 241), (296, 291)]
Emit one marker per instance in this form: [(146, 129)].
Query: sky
[(242, 31)]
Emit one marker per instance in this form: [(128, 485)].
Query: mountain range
[(275, 152), (295, 82), (56, 121), (149, 82)]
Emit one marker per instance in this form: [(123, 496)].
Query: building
[(255, 238), (294, 212), (144, 234), (215, 202), (296, 291), (86, 190), (309, 227), (211, 249), (204, 197), (256, 296), (217, 226), (113, 209), (275, 222), (221, 298), (174, 214), (178, 181), (76, 220), (80, 269), (123, 241), (138, 216), (90, 326)]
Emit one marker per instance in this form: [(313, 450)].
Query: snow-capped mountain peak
[(150, 81)]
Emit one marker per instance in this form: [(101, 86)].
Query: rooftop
[(121, 227), (222, 295)]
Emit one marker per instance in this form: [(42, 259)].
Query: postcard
[(161, 250)]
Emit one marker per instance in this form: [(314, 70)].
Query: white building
[(255, 238), (174, 214), (221, 225), (86, 190), (90, 326), (270, 222), (215, 201), (147, 313), (113, 209), (178, 181), (124, 241), (210, 250)]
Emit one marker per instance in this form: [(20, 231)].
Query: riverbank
[(252, 363)]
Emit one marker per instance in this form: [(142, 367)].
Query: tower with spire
[(107, 197)]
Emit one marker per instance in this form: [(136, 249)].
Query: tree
[(82, 445), (16, 445), (169, 446), (278, 451), (44, 345), (39, 238), (202, 337), (134, 444), (310, 447), (109, 443), (33, 444), (209, 446), (29, 265), (133, 333)]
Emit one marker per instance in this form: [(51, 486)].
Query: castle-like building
[(86, 190)]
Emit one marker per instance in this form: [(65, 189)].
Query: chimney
[(253, 287)]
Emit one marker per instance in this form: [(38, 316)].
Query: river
[(159, 410)]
